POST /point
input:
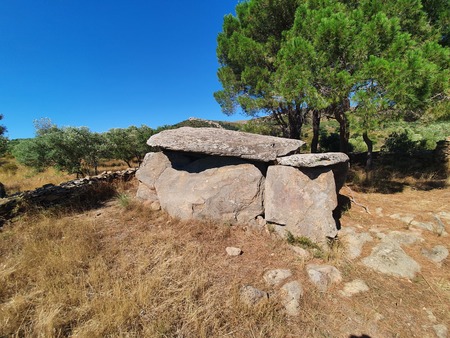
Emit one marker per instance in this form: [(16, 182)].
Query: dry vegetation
[(122, 270), (17, 177)]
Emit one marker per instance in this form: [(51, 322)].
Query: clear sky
[(107, 63)]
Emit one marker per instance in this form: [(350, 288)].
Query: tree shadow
[(57, 199), (344, 204), (392, 172)]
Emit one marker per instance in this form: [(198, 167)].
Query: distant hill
[(200, 123)]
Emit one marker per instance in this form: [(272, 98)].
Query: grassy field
[(17, 177), (122, 270)]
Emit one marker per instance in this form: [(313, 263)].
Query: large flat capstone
[(221, 142), (338, 162), (313, 160)]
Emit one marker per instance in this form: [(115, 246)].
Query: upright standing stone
[(151, 168), (301, 202), (230, 193)]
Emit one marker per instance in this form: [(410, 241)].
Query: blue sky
[(108, 64)]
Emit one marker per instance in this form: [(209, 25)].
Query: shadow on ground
[(392, 172)]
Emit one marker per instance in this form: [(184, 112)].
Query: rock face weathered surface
[(313, 160), (337, 162), (301, 202), (389, 258), (208, 188), (221, 142), (208, 173), (323, 276)]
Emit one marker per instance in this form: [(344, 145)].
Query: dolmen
[(236, 177)]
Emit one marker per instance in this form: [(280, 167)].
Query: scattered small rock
[(291, 293), (354, 241), (354, 287), (440, 228), (405, 218), (440, 330), (302, 253), (401, 238), (445, 215), (251, 295), (424, 225), (232, 251), (260, 221), (431, 315), (155, 206), (436, 254), (323, 276), (379, 212), (389, 258), (378, 316), (275, 277), (409, 220)]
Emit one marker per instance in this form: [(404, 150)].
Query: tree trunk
[(295, 123), (316, 129), (279, 118), (369, 143), (369, 161), (296, 117), (344, 125)]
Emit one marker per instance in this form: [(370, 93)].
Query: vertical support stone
[(301, 201)]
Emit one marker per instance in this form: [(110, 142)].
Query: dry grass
[(18, 178), (125, 271), (389, 180), (104, 275)]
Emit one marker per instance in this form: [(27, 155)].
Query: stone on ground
[(354, 241), (302, 253), (440, 330), (402, 238), (436, 254), (232, 251), (354, 287), (275, 277), (323, 276), (290, 297), (389, 258), (251, 295)]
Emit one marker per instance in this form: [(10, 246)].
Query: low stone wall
[(64, 193), (442, 152)]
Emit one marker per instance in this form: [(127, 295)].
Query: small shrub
[(124, 200), (305, 243), (403, 142), (331, 142), (357, 144)]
